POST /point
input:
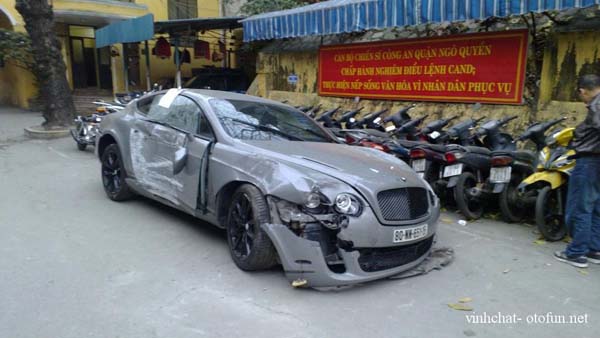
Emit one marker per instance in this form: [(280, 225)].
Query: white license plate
[(434, 135), (405, 235), (453, 170), (418, 165), (500, 174)]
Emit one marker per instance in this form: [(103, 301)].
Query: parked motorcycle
[(509, 168), (468, 167), (550, 181), (369, 121), (327, 118), (86, 127), (429, 160)]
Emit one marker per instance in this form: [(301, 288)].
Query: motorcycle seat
[(435, 147), (519, 155), (478, 150), (409, 144)]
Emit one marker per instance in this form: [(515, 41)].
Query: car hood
[(367, 170)]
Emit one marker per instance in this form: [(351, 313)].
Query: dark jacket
[(587, 134)]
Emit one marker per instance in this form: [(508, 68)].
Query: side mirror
[(181, 156), (180, 160)]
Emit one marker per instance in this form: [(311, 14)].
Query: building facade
[(103, 69)]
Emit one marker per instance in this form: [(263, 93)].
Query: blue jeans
[(583, 207)]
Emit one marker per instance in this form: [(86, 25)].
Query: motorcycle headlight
[(348, 204)]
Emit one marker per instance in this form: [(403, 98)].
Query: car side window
[(184, 114), (156, 111), (205, 129), (144, 105)]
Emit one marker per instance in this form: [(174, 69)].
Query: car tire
[(470, 208), (113, 174), (250, 247), (550, 222)]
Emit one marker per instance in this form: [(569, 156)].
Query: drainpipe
[(125, 68), (177, 64), (148, 84)]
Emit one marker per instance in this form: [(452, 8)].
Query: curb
[(38, 132)]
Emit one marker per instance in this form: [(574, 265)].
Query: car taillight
[(501, 161), (350, 139), (450, 157), (374, 145), (417, 154)]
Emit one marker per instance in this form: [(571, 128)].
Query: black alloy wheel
[(242, 227), (113, 174), (250, 247), (548, 216)]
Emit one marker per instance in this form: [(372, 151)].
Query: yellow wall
[(17, 86)]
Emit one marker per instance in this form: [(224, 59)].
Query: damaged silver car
[(284, 188)]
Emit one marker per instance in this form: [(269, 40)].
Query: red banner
[(482, 67)]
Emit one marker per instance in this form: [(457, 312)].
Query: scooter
[(550, 181), (509, 168), (468, 167)]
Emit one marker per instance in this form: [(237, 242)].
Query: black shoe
[(593, 257), (578, 261)]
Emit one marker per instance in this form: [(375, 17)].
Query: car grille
[(372, 260), (403, 204)]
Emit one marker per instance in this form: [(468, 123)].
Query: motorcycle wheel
[(470, 207), (511, 206), (548, 218), (81, 146)]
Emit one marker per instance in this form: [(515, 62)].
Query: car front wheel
[(113, 174), (250, 247)]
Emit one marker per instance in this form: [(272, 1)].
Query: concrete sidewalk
[(13, 121)]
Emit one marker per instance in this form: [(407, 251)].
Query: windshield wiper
[(306, 130), (265, 128)]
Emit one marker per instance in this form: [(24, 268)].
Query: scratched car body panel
[(333, 211)]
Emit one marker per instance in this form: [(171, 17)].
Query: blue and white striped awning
[(343, 16)]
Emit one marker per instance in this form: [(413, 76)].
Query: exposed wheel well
[(224, 198), (104, 142)]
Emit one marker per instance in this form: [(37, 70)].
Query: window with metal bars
[(183, 9)]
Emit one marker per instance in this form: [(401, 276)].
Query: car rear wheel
[(113, 174), (250, 247)]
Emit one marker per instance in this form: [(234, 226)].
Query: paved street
[(74, 264)]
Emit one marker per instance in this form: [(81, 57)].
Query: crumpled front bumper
[(303, 259)]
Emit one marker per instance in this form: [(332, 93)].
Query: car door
[(182, 128)]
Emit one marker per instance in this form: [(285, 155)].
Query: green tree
[(15, 47), (253, 7), (48, 67)]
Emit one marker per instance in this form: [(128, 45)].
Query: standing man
[(583, 200)]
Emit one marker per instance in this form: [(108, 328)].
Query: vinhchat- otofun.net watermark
[(536, 318)]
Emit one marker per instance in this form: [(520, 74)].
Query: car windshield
[(259, 121)]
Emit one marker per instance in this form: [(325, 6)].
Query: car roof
[(218, 94)]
